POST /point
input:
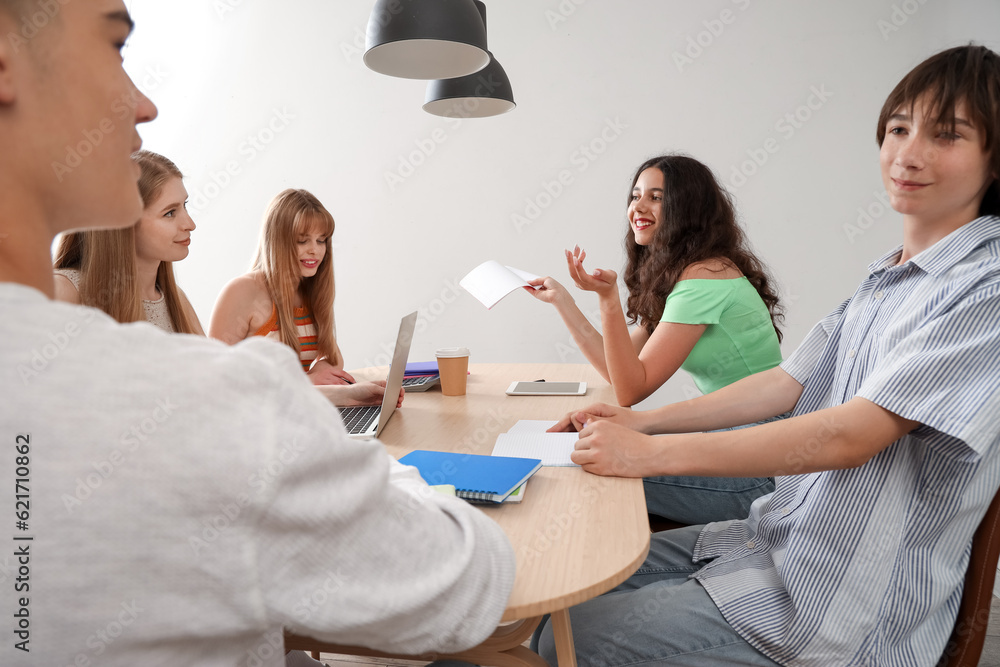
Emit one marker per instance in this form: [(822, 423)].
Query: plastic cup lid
[(452, 352)]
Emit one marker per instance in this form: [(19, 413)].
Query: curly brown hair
[(698, 224)]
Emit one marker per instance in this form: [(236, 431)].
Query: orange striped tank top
[(308, 347)]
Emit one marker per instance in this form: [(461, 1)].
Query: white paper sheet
[(491, 281)]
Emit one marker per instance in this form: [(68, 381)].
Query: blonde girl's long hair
[(109, 277), (291, 214)]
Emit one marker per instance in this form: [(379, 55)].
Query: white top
[(197, 498), (156, 311)]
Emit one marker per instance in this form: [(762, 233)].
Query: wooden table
[(576, 535)]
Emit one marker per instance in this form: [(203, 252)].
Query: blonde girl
[(128, 273), (288, 293)]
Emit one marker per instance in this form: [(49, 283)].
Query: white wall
[(291, 74)]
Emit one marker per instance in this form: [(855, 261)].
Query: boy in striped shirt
[(892, 454)]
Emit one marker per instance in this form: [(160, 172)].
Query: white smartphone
[(544, 388)]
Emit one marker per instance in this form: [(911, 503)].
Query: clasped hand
[(608, 443)]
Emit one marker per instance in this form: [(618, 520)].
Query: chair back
[(966, 642)]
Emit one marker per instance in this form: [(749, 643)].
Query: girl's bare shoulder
[(716, 268), (248, 287)]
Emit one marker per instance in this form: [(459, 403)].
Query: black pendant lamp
[(426, 39), (478, 95)]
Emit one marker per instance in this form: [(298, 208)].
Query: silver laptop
[(368, 421)]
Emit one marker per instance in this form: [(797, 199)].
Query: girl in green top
[(703, 302)]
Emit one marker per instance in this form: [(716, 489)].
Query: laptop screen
[(394, 382)]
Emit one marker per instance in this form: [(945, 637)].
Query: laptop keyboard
[(358, 419)]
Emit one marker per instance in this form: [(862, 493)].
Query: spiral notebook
[(476, 478), (554, 449)]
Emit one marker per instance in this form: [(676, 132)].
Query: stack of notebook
[(476, 478)]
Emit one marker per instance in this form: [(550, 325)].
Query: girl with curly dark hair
[(703, 302)]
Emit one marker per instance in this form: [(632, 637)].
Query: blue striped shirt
[(865, 566)]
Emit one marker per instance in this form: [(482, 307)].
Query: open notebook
[(528, 439)]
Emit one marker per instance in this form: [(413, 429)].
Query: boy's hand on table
[(578, 419), (609, 449)]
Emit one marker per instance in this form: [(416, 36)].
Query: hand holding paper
[(549, 290), (491, 281)]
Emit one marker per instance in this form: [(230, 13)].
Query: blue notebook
[(478, 478), (421, 368)]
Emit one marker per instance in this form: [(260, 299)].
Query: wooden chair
[(966, 643)]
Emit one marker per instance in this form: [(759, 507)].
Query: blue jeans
[(657, 616), (696, 500)]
